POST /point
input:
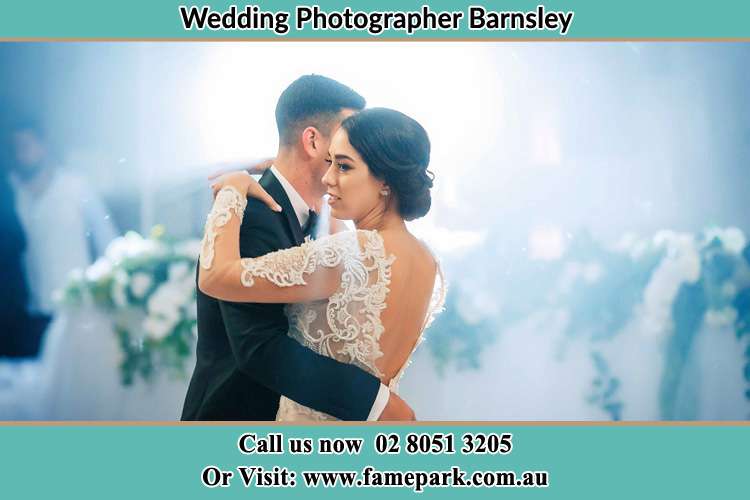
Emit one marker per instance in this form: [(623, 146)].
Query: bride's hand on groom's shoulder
[(259, 167), (245, 184)]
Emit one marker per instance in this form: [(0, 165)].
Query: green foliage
[(147, 289), (453, 340), (601, 288), (600, 308), (604, 388), (742, 305), (687, 313)]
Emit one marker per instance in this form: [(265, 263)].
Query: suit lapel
[(272, 185)]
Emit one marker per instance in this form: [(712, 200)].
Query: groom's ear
[(311, 141)]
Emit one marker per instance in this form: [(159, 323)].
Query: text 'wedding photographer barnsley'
[(314, 18)]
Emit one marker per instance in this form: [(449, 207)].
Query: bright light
[(453, 90)]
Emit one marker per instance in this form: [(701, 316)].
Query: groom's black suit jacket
[(246, 360)]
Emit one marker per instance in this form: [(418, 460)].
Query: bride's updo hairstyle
[(396, 149)]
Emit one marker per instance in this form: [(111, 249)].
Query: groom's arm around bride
[(246, 360)]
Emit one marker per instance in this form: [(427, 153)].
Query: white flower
[(638, 250), (729, 290), (188, 286), (157, 328), (99, 269), (626, 242), (592, 272), (178, 271), (721, 318), (191, 311), (166, 302), (630, 243), (476, 306), (546, 243), (76, 275), (140, 284), (568, 276), (681, 254), (731, 238), (124, 246), (119, 297), (589, 272), (132, 245), (664, 237), (188, 248), (681, 264), (734, 240), (119, 287), (166, 305), (690, 267)]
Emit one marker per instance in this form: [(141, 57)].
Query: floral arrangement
[(668, 285), (147, 287)]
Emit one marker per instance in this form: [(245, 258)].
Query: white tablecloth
[(78, 378)]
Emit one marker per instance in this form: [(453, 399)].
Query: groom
[(245, 359)]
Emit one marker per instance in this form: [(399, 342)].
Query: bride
[(362, 297)]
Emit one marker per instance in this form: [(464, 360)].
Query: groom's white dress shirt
[(302, 211)]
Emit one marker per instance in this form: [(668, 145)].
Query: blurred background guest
[(20, 331), (66, 223)]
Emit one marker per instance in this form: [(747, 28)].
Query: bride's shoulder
[(371, 242), (363, 242), (362, 236), (356, 245), (341, 239), (432, 256), (406, 242)]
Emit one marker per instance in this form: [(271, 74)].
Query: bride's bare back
[(413, 275)]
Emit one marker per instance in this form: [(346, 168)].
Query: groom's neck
[(301, 176)]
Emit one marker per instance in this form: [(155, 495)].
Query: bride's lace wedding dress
[(347, 325)]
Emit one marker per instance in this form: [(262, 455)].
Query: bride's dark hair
[(397, 150)]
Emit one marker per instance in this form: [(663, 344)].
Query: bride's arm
[(298, 274)]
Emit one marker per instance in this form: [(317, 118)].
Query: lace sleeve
[(311, 271), (227, 201), (290, 267)]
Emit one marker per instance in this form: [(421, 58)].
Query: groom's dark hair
[(313, 100)]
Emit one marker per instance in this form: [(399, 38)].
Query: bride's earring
[(384, 192)]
